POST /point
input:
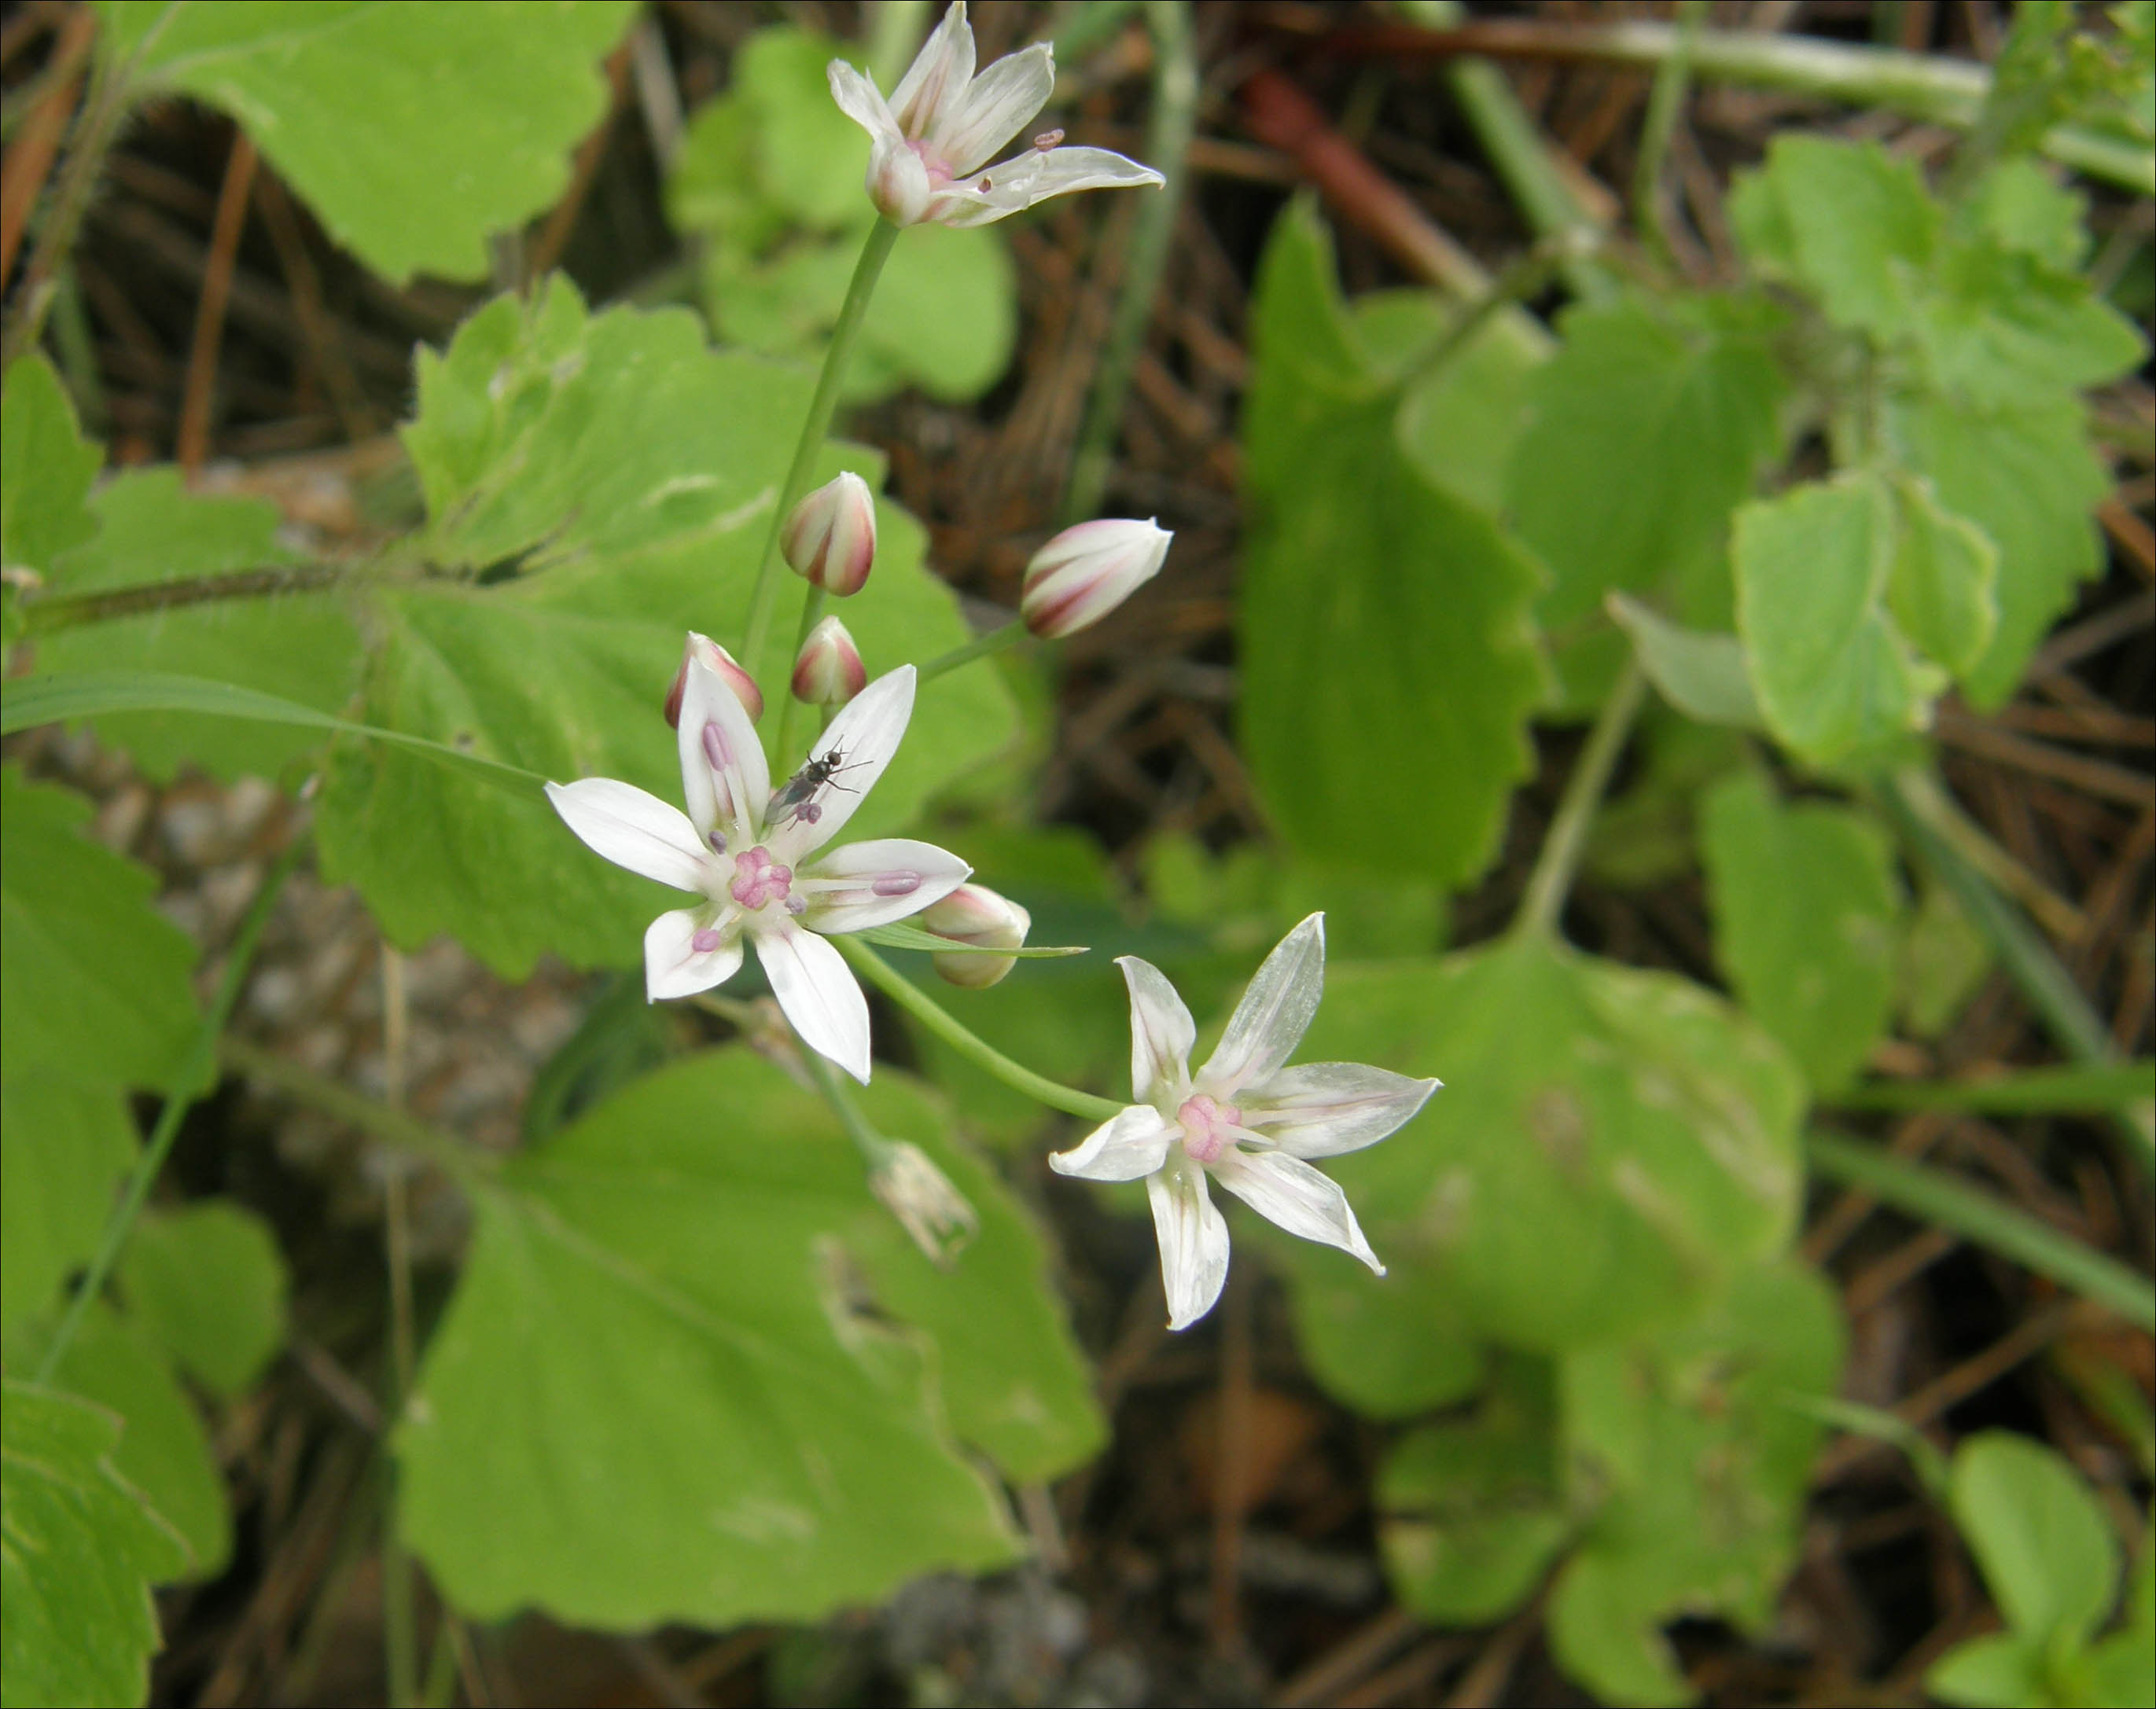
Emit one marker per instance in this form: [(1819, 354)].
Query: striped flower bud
[(974, 914), (1086, 571), (829, 671), (729, 672), (829, 541)]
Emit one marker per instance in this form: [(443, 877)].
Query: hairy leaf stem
[(975, 1049), (1562, 845), (813, 426), (193, 1078), (1167, 139), (980, 647), (44, 617)]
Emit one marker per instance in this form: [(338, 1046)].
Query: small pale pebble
[(542, 1024), (120, 821), (248, 804), (275, 995), (321, 1049), (436, 972), (229, 889), (330, 965), (193, 827)]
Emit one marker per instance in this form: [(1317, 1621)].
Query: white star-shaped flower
[(741, 848), (1244, 1118), (942, 123)]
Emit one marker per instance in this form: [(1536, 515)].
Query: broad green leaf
[(1391, 1350), (1848, 220), (1474, 1510), (2049, 1556), (300, 646), (163, 1450), (1942, 587), (2024, 473), (93, 982), (2001, 324), (1944, 958), (413, 134), (694, 1371), (1461, 411), (597, 487), (64, 1151), (1703, 676), (1611, 1144), (206, 1286), (2021, 204), (1807, 922), (1388, 664), (80, 1550), (2123, 1667), (810, 157), (46, 467), (1699, 1463), (2003, 1667), (1648, 428), (1832, 672)]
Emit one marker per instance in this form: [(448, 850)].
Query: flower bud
[(927, 1205), (1086, 571), (830, 538), (730, 672), (974, 914), (830, 672), (898, 181)]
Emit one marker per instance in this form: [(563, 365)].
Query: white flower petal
[(1287, 1191), (819, 995), (1274, 1014), (934, 86), (1321, 1108), (634, 830), (998, 102), (1194, 1240), (1023, 180), (672, 965), (724, 776), (890, 878), (1122, 1148), (1162, 1033), (862, 738), (859, 100)]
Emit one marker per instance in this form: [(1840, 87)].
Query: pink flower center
[(759, 881), (1205, 1127), (939, 173)]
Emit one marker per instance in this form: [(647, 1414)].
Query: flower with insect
[(1246, 1119), (742, 849), (942, 123)]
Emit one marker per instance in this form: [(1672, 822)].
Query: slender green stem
[(1988, 1220), (872, 1145), (2038, 1091), (2029, 962), (812, 609), (469, 1166), (1525, 278), (975, 1049), (400, 1633), (1567, 837), (1672, 78), (1167, 141), (894, 32), (195, 1075), (874, 253), (980, 647)]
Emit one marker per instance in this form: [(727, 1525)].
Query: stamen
[(897, 884), (717, 840), (1046, 140), (797, 905), (714, 746), (704, 942)]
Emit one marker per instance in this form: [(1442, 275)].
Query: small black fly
[(796, 798)]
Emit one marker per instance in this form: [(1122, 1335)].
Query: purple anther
[(1047, 139), (897, 884), (807, 813), (715, 745), (717, 840), (704, 942), (797, 905)]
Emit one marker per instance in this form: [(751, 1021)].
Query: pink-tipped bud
[(898, 182), (1086, 571), (830, 538), (730, 672), (974, 914), (829, 672)]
